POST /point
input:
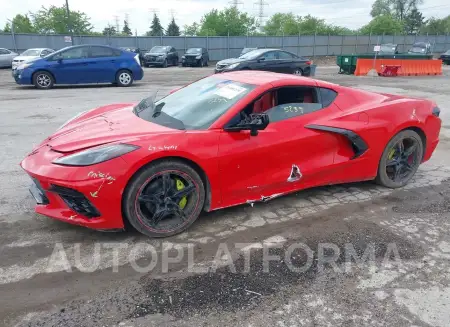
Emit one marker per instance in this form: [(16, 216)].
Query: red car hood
[(118, 124)]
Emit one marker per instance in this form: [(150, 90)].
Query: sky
[(349, 13)]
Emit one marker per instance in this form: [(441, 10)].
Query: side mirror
[(253, 123), (261, 59)]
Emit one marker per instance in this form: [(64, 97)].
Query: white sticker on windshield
[(230, 91)]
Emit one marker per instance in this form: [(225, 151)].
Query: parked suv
[(162, 55), (195, 57)]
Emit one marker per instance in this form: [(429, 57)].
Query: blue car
[(82, 64)]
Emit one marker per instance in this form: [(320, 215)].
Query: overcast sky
[(349, 13)]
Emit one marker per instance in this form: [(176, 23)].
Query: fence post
[(13, 36), (160, 38), (356, 44), (342, 44), (314, 45), (282, 40), (228, 44), (298, 45), (185, 43), (207, 42), (328, 45), (370, 42)]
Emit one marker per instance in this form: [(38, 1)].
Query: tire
[(124, 78), (206, 63), (164, 63), (391, 154), (298, 72), (183, 65), (200, 63), (148, 184), (43, 80)]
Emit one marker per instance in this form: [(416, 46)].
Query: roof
[(257, 77)]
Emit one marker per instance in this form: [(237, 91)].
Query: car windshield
[(194, 50), (447, 52), (158, 49), (32, 52), (387, 48), (252, 54), (195, 106), (417, 50), (247, 50)]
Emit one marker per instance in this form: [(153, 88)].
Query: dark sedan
[(273, 60), (161, 56), (445, 57), (195, 57)]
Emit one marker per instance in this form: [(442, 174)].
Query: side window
[(269, 55), (327, 96), (173, 50), (284, 55), (293, 102), (4, 51), (74, 53), (100, 52)]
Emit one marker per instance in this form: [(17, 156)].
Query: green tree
[(381, 7), (437, 26), (54, 20), (22, 24), (173, 29), (191, 30), (109, 30), (282, 24), (413, 22), (126, 30), (156, 28), (229, 21), (7, 28), (384, 24)]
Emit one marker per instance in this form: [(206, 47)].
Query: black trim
[(358, 144), (75, 201)]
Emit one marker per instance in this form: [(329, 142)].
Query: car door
[(285, 156), (174, 55), (70, 66), (285, 62), (5, 58), (266, 62), (103, 64)]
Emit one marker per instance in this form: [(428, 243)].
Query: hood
[(156, 54), (230, 61), (192, 54), (26, 58), (117, 125)]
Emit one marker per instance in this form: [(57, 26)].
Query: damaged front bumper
[(86, 196)]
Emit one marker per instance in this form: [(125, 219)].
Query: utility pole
[(116, 19), (69, 24), (261, 15), (235, 3)]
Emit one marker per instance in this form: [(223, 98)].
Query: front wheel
[(400, 160), (124, 78), (43, 80), (164, 199), (164, 63)]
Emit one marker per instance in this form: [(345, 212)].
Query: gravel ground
[(54, 274)]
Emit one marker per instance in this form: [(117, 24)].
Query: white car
[(6, 57), (30, 54)]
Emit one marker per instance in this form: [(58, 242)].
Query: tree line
[(392, 17)]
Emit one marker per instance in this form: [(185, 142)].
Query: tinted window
[(74, 53), (4, 51), (159, 49), (32, 52), (173, 50), (327, 97), (98, 52), (194, 50), (195, 106), (269, 55), (284, 55)]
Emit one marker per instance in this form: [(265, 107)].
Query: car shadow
[(80, 86)]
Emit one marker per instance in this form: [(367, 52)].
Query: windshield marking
[(230, 91)]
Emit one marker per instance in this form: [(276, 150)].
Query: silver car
[(30, 54), (6, 57)]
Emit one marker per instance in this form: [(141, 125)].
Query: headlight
[(23, 66), (198, 57), (71, 119), (232, 66), (183, 57), (95, 155)]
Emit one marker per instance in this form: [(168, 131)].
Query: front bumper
[(154, 61), (22, 76), (86, 196)]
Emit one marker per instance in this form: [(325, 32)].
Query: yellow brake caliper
[(391, 154), (181, 186)]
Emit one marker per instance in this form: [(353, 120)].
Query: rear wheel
[(43, 80), (201, 63), (124, 78), (164, 199), (400, 160), (298, 71)]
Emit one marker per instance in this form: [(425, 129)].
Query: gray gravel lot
[(55, 274)]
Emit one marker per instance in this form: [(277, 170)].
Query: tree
[(173, 29), (381, 7), (384, 24), (229, 21), (191, 30), (109, 30), (413, 22), (22, 24), (54, 20), (126, 29), (156, 28), (437, 26)]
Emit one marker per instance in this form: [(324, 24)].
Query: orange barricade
[(408, 67)]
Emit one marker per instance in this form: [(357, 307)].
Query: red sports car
[(225, 140)]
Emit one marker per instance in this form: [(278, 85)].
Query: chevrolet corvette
[(224, 140)]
